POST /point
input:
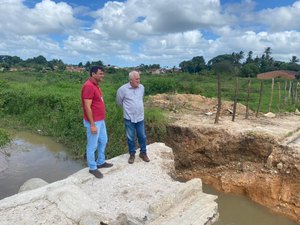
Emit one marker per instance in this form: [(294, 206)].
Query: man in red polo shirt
[(94, 121)]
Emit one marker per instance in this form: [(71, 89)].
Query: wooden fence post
[(293, 93), (248, 98), (279, 98), (297, 94), (219, 100), (285, 97), (235, 98), (271, 97), (290, 90), (260, 97)]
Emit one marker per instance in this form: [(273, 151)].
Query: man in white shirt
[(130, 96)]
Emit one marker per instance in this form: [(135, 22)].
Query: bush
[(50, 102), (4, 137)]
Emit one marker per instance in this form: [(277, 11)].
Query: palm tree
[(294, 59)]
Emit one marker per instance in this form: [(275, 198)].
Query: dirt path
[(258, 157)]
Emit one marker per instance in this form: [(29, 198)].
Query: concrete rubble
[(141, 193)]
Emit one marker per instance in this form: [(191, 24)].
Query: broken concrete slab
[(141, 193)]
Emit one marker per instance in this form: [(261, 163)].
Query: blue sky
[(132, 32)]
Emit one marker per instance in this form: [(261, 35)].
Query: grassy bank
[(4, 137), (49, 103)]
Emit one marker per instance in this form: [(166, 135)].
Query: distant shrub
[(158, 85)]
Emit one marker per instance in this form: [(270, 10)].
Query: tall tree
[(249, 70), (41, 60), (268, 53), (267, 62), (237, 57), (220, 58), (249, 58), (195, 65), (198, 63), (294, 59)]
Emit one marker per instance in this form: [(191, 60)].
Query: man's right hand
[(93, 129)]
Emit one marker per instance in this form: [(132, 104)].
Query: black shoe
[(105, 165), (131, 158), (144, 157), (96, 173)]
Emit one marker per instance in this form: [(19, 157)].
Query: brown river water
[(33, 156)]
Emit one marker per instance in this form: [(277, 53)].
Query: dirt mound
[(193, 103)]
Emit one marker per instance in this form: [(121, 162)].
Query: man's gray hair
[(132, 74)]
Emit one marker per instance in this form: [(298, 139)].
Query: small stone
[(269, 162), (270, 115), (208, 113), (279, 166), (91, 220), (32, 183)]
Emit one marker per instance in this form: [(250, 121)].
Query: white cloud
[(171, 49), (136, 18), (90, 46), (281, 18), (146, 31), (46, 17), (283, 44), (178, 16), (28, 46)]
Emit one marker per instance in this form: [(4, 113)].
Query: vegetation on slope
[(50, 102)]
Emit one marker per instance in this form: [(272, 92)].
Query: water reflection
[(239, 210), (31, 156)]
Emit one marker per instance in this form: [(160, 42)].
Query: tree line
[(38, 63), (232, 63)]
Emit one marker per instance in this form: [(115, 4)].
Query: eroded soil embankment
[(250, 163)]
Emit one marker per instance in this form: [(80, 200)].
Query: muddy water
[(238, 210), (31, 156), (37, 156)]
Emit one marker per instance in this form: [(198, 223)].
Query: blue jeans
[(95, 142), (139, 129)]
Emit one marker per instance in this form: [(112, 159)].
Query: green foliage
[(223, 67), (145, 68), (157, 85), (193, 66), (156, 123), (53, 110), (221, 58), (4, 137), (50, 102), (249, 70)]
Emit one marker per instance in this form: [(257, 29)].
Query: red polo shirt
[(91, 90)]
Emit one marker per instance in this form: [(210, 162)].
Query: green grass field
[(50, 102)]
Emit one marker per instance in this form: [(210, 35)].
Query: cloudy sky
[(132, 32)]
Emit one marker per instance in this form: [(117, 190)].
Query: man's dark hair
[(94, 69)]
